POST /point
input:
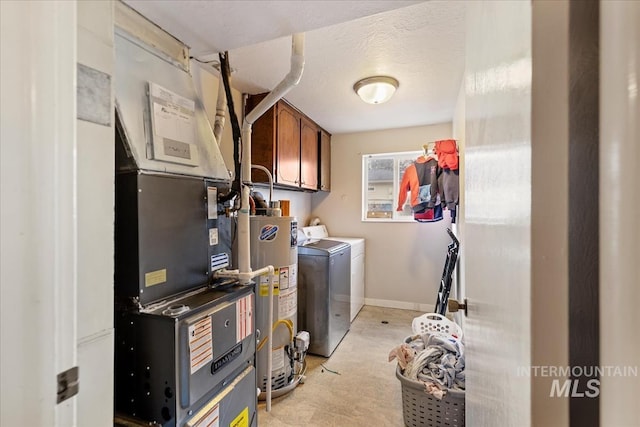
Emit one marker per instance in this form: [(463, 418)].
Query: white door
[(532, 152), (620, 212), (497, 219), (38, 288)]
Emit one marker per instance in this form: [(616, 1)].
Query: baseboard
[(425, 308), (109, 332)]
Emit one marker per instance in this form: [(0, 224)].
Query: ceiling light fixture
[(376, 90)]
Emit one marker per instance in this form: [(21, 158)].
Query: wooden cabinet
[(287, 146), (308, 154), (286, 142), (324, 167)]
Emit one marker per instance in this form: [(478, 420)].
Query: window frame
[(397, 157)]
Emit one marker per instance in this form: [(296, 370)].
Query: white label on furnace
[(277, 359), (174, 122), (174, 115), (243, 317), (212, 202), (211, 419), (200, 344), (159, 92), (287, 303), (213, 236)]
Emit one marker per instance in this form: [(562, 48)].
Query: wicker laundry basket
[(419, 408)]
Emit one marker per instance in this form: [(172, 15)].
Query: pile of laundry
[(435, 359)]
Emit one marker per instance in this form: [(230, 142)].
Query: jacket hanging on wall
[(447, 151), (423, 179)]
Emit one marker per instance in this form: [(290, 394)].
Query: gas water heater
[(274, 242)]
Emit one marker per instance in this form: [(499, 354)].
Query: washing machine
[(357, 263), (323, 293)]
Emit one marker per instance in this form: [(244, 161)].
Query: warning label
[(244, 324), (200, 344), (242, 420)]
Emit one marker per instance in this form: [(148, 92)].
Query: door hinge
[(68, 384)]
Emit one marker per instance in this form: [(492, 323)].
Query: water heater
[(274, 242)]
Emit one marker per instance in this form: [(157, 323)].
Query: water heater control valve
[(302, 341)]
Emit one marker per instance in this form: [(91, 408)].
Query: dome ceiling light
[(377, 89)]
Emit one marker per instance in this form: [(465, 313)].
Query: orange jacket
[(411, 183), (447, 152)]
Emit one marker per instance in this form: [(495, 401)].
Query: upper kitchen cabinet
[(308, 154), (325, 161), (286, 142), (286, 146)]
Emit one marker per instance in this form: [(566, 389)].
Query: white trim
[(145, 33), (396, 157), (389, 220), (39, 226), (95, 336), (396, 153), (404, 305)]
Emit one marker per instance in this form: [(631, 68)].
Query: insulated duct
[(163, 122)]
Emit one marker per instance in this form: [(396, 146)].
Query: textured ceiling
[(419, 43)]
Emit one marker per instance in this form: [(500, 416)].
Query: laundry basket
[(420, 408), (436, 323)]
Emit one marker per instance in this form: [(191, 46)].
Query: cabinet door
[(263, 145), (325, 161), (288, 146), (309, 155)]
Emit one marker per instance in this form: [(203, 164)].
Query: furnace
[(185, 338)]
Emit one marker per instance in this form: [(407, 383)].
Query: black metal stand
[(447, 274)]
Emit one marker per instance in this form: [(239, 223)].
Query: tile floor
[(364, 393)]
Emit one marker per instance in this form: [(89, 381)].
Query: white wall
[(497, 212), (404, 261), (300, 203), (95, 179)]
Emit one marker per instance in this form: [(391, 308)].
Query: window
[(382, 175)]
